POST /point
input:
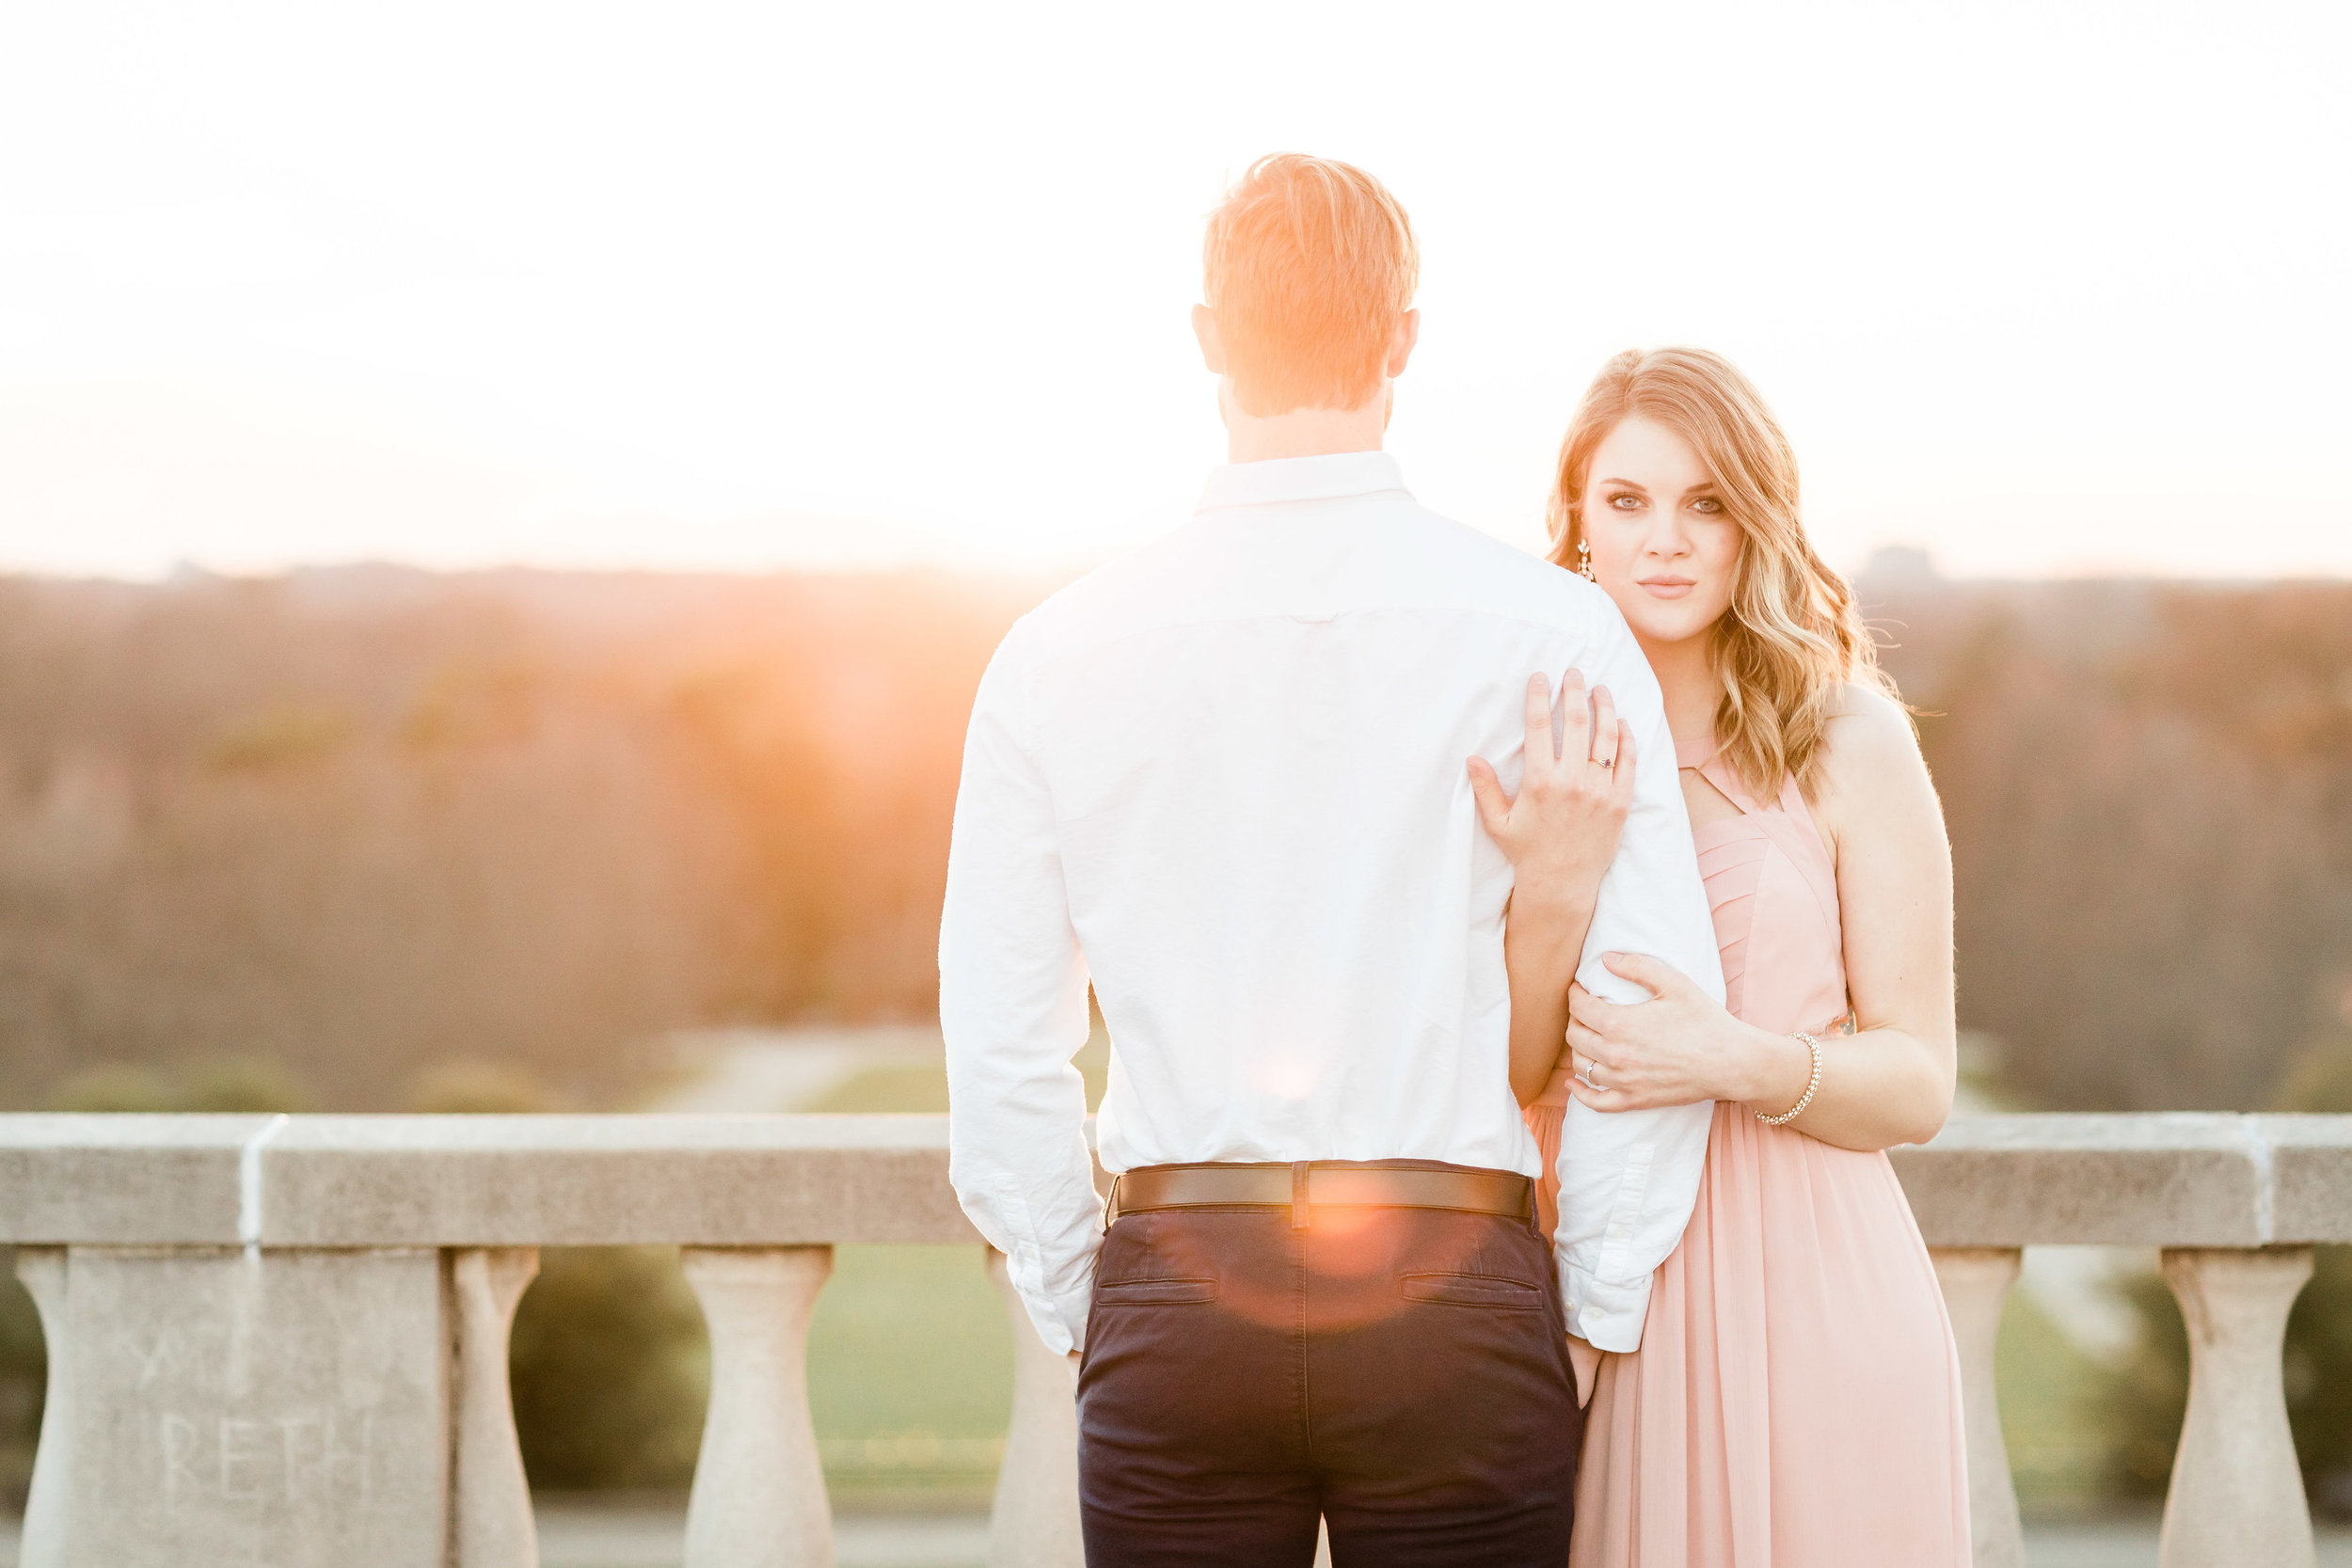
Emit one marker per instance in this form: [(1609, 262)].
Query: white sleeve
[(1012, 1005), (1628, 1179)]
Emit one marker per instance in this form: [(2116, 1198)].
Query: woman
[(1795, 1400)]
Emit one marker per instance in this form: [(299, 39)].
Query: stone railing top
[(2172, 1179), (717, 1181), (476, 1181)]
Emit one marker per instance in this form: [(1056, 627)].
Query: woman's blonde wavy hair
[(1792, 634)]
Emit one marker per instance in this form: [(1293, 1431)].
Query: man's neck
[(1302, 431)]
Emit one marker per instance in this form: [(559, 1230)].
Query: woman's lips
[(1666, 588)]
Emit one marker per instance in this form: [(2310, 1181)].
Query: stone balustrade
[(284, 1340)]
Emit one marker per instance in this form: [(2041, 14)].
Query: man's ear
[(1212, 346), (1401, 343)]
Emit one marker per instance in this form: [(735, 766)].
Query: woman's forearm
[(1543, 941), (1879, 1088)]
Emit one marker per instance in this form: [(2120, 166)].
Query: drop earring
[(1584, 560)]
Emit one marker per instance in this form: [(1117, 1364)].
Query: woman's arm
[(1891, 1083), (1560, 833)]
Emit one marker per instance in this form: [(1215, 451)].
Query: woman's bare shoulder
[(1870, 749)]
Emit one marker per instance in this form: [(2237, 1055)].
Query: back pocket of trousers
[(1473, 1290), (1153, 1292)]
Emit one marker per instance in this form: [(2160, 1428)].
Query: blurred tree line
[(373, 838), (355, 824)]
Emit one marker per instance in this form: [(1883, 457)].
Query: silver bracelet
[(1811, 1084)]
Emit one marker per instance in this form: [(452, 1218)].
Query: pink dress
[(1795, 1402)]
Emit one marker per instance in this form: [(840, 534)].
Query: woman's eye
[(1707, 505), (1625, 503)]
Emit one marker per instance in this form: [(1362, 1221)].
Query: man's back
[(1254, 734), (1232, 769)]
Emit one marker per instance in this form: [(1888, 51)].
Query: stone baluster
[(493, 1525), (2236, 1498), (1975, 1282), (1034, 1523), (42, 1544), (759, 1500)]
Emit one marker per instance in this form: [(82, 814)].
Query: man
[(1225, 779)]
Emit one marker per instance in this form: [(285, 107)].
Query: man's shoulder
[(1398, 554), (1099, 600), (1496, 575)]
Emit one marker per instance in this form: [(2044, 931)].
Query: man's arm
[(1627, 1180), (1012, 1005)]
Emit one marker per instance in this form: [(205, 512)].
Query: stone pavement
[(573, 1535), (577, 1535)]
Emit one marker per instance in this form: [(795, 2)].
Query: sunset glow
[(2042, 290)]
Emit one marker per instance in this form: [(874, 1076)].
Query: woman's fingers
[(1621, 784), (1601, 1100), (1575, 726), (1539, 746), (1588, 1009), (1604, 741), (1643, 970)]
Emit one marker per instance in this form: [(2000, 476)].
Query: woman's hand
[(1680, 1047), (1560, 831), (1560, 834)]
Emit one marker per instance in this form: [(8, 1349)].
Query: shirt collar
[(1300, 479)]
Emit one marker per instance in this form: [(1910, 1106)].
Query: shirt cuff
[(1060, 1320), (1607, 1316)]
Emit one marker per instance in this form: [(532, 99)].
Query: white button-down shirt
[(1224, 777)]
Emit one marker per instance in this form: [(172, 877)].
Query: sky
[(2044, 288)]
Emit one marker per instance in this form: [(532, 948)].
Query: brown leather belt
[(1320, 1183)]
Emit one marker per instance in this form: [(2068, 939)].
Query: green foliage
[(23, 1382), (116, 1086), (240, 1083), (477, 1088), (2056, 1451), (2139, 1402), (283, 734), (473, 704), (610, 1371), (2319, 1381), (234, 1083)]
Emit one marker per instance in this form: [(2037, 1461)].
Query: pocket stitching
[(1170, 1291), (1524, 1295)]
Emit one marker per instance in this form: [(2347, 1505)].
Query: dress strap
[(1705, 755)]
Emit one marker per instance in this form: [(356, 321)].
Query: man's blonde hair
[(1794, 634), (1309, 263)]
